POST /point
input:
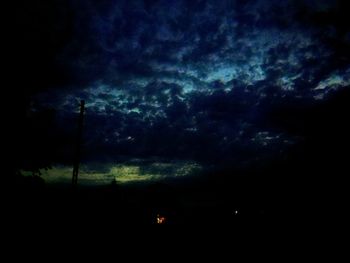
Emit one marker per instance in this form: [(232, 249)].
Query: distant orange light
[(160, 219)]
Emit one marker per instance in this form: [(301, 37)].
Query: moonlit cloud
[(194, 79)]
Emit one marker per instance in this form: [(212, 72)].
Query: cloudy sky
[(196, 81)]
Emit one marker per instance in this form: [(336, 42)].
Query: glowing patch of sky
[(121, 173)]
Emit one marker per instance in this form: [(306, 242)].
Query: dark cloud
[(182, 79)]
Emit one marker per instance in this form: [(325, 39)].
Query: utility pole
[(78, 145)]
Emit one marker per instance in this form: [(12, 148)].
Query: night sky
[(176, 88)]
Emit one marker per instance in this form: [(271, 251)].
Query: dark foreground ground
[(133, 205), (237, 202)]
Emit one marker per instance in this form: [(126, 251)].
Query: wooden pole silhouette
[(78, 145)]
